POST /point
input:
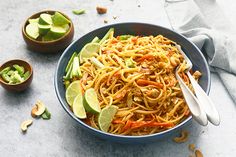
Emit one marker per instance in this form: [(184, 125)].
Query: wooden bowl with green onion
[(48, 31), (16, 75)]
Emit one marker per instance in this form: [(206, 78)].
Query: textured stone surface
[(61, 136)]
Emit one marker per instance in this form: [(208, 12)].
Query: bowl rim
[(46, 42), (18, 60), (116, 135)]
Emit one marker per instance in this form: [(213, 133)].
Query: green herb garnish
[(79, 12)]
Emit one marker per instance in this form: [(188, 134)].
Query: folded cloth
[(204, 24)]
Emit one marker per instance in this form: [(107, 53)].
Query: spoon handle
[(207, 104), (197, 112)]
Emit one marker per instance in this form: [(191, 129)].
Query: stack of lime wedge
[(80, 103), (48, 27)]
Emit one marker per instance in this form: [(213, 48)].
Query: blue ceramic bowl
[(192, 51)]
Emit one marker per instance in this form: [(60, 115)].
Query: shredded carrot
[(185, 77), (114, 41), (127, 125), (118, 121), (145, 57), (134, 125), (143, 82), (117, 74), (121, 94), (134, 39), (170, 53), (166, 42), (187, 112)]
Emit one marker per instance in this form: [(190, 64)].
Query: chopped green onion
[(26, 75), (20, 69), (70, 61), (78, 12), (125, 37), (6, 78), (46, 115), (108, 35), (5, 70), (76, 69), (130, 63), (16, 78), (95, 40)]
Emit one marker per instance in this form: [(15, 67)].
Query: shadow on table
[(43, 58), (10, 98), (80, 142)]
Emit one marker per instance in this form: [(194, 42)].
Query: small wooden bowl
[(53, 46), (21, 86)]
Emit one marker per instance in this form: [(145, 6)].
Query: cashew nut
[(191, 147), (24, 125), (182, 138), (198, 153), (38, 109), (174, 61), (34, 109)]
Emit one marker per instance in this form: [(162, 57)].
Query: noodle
[(147, 93)]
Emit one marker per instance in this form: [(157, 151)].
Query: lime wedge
[(48, 37), (34, 20), (72, 91), (106, 116), (32, 30), (43, 29), (89, 50), (57, 31), (59, 19), (45, 19), (66, 27), (90, 101), (78, 107)]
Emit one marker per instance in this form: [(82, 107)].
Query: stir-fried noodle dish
[(132, 81)]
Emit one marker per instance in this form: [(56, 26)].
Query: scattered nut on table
[(198, 153), (38, 109), (105, 21), (24, 125), (191, 147), (101, 10), (182, 138)]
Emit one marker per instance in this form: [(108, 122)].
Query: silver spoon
[(205, 101)]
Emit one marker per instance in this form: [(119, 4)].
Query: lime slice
[(34, 20), (45, 19), (43, 29), (91, 103), (72, 91), (59, 19), (106, 116), (78, 107), (32, 30), (57, 31), (89, 50)]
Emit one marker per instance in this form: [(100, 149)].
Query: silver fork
[(204, 100)]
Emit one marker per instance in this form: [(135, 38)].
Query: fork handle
[(194, 105), (207, 104)]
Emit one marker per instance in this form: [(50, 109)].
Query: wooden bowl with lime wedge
[(46, 35)]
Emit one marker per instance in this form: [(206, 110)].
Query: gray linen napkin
[(203, 23)]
